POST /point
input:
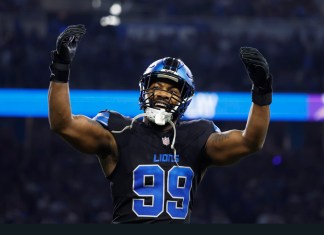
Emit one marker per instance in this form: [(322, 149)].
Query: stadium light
[(115, 9), (109, 20)]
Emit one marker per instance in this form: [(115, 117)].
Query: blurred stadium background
[(44, 180)]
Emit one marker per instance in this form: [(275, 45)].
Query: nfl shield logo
[(166, 141)]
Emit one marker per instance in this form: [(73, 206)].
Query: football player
[(155, 161)]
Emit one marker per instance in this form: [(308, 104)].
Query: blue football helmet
[(170, 70)]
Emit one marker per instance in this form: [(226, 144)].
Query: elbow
[(254, 147), (258, 148), (56, 127), (58, 124)]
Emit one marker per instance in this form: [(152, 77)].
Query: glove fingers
[(252, 54), (71, 33), (69, 42), (72, 37), (80, 28), (258, 71), (74, 41), (253, 62), (254, 58), (249, 50), (69, 36), (73, 30)]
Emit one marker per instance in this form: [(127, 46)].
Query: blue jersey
[(147, 185)]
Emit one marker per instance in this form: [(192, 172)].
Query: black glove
[(66, 45), (258, 70)]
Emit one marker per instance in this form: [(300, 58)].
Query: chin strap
[(148, 115), (131, 125), (158, 116)]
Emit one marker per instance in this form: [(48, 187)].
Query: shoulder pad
[(216, 128), (102, 117)]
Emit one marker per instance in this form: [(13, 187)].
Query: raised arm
[(83, 133), (230, 146)]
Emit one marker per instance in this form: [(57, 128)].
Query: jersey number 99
[(148, 182)]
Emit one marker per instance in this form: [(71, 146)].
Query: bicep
[(87, 135), (227, 147)]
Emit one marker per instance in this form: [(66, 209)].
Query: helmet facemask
[(180, 77), (170, 103)]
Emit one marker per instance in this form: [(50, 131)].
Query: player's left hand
[(258, 70), (256, 65)]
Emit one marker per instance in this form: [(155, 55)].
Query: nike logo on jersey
[(165, 158)]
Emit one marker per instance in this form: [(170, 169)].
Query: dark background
[(44, 180)]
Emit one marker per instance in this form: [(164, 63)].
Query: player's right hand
[(67, 43)]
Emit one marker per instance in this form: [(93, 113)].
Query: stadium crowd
[(294, 52)]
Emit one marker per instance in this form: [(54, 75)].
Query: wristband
[(262, 96), (59, 72), (261, 100)]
